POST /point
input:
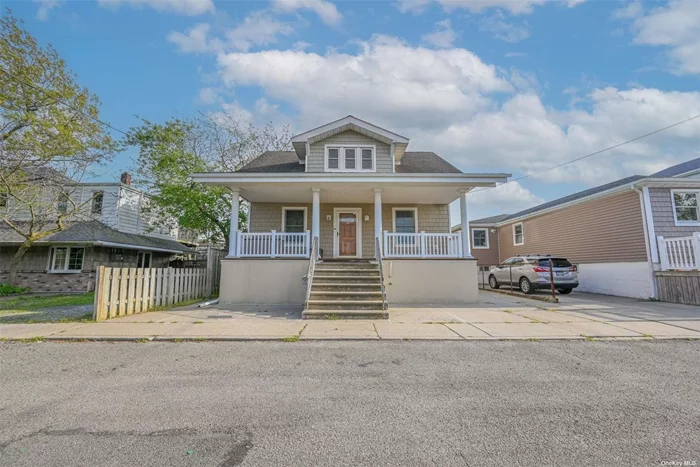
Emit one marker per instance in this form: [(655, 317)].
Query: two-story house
[(116, 227), (362, 219)]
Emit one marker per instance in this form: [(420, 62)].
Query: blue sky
[(491, 85)]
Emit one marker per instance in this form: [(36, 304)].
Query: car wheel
[(564, 291), (493, 283), (526, 285)]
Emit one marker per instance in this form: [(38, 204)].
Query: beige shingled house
[(348, 222)]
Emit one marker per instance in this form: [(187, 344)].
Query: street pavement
[(393, 403)]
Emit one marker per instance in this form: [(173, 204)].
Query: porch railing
[(680, 253), (273, 244), (422, 245)]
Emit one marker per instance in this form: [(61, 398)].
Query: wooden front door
[(347, 233)]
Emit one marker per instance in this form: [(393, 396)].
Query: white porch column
[(315, 212), (378, 216), (233, 230), (466, 250)]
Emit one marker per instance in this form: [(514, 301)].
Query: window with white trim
[(518, 234), (97, 199), (480, 238), (143, 259), (345, 158), (66, 259), (405, 220), (686, 207), (294, 220)]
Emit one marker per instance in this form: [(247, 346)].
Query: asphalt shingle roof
[(678, 169), (94, 231), (288, 161), (489, 220)]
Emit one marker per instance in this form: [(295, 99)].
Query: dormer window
[(350, 158)]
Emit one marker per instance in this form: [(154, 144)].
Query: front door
[(347, 232)]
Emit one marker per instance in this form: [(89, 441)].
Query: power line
[(46, 91), (592, 154)]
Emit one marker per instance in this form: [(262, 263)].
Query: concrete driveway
[(495, 316)]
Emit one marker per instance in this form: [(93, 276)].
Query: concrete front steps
[(346, 290)]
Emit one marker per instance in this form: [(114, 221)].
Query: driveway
[(381, 403), (495, 316)]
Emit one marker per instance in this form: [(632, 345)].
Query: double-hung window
[(518, 234), (480, 238), (294, 220), (686, 207), (66, 259), (344, 158), (97, 199)]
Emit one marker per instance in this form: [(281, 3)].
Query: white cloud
[(516, 7), (195, 40), (631, 10), (443, 37), (181, 7), (675, 26), (504, 30), (386, 78), (45, 6), (208, 96), (327, 11), (257, 29), (508, 198)]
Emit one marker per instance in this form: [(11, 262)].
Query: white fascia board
[(349, 120), (669, 182), (322, 177), (602, 194)]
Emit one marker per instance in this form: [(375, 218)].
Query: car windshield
[(557, 262)]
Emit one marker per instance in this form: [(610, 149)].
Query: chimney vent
[(126, 178)]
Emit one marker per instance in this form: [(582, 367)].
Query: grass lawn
[(49, 309)]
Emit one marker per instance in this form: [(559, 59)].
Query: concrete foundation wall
[(623, 279), (263, 281), (430, 281)]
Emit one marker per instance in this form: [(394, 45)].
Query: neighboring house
[(355, 188), (116, 228), (623, 235)]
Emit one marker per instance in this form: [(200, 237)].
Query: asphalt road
[(350, 403)]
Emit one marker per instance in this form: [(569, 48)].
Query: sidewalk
[(495, 316)]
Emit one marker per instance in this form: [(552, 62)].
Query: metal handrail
[(310, 272), (378, 255)]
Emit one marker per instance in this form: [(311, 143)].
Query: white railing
[(422, 245), (273, 244), (680, 253)]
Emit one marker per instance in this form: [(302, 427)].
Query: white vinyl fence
[(422, 245), (127, 291), (680, 253), (273, 244)]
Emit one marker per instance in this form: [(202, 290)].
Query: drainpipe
[(647, 240)]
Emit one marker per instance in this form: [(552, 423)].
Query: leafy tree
[(50, 137), (170, 152)]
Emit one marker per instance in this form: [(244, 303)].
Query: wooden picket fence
[(127, 291)]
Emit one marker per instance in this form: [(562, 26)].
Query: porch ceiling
[(343, 188), (349, 193)]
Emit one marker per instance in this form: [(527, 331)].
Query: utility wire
[(591, 154), (46, 91)]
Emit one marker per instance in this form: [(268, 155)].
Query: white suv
[(531, 272)]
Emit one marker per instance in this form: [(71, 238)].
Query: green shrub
[(7, 289)]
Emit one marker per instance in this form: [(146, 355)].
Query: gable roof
[(489, 220), (95, 232), (288, 162), (678, 169), (349, 120)]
